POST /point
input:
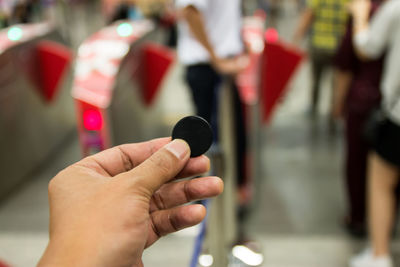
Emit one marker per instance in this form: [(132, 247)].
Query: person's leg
[(274, 12), (202, 80), (317, 70), (241, 140), (383, 178), (244, 199), (355, 171)]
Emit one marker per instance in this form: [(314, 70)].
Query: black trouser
[(204, 83), (320, 62), (356, 166)]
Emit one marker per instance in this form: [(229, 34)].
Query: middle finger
[(178, 193)]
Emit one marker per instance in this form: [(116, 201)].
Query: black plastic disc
[(196, 132)]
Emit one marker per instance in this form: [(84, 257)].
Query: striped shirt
[(329, 23)]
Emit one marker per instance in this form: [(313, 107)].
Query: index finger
[(123, 158)]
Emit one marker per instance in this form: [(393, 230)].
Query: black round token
[(196, 131)]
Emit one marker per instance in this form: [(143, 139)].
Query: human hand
[(107, 208), (231, 66)]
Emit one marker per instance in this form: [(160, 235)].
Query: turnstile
[(36, 113)]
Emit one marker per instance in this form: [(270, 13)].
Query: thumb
[(161, 167)]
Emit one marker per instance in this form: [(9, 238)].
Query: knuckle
[(126, 160), (155, 228), (159, 201), (187, 192), (174, 223)]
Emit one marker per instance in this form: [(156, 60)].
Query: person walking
[(356, 93), (371, 40), (210, 46), (327, 20)]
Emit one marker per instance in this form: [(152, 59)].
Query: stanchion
[(221, 225), (198, 244)]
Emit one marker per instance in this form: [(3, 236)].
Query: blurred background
[(79, 76)]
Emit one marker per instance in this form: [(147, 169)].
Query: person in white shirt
[(210, 46), (210, 32), (371, 40)]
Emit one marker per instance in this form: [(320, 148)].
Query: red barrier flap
[(279, 63), (155, 62), (54, 60)]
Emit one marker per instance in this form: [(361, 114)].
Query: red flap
[(279, 63), (54, 60), (155, 62)]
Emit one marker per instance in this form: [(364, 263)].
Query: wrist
[(215, 62), (51, 257), (213, 58), (360, 19), (360, 24), (65, 253)]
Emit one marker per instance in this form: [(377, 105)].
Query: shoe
[(367, 259), (246, 253)]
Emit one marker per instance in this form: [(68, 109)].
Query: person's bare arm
[(360, 11), (196, 23), (304, 25), (372, 38), (342, 84)]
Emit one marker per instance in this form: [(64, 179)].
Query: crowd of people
[(360, 40)]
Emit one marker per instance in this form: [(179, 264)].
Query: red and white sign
[(99, 59)]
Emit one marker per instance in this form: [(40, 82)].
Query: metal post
[(222, 225)]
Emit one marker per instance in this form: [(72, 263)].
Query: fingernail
[(179, 148)]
